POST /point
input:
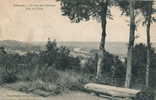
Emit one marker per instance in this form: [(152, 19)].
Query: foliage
[(64, 71), (84, 10), (113, 68), (139, 60), (145, 10), (139, 63), (141, 7), (34, 65), (9, 63), (124, 6), (90, 65), (59, 57)]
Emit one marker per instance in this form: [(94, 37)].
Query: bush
[(139, 65), (6, 78), (59, 57), (90, 65), (9, 63), (113, 69)]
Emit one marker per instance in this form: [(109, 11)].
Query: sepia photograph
[(78, 50)]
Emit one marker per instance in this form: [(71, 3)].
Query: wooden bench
[(112, 92)]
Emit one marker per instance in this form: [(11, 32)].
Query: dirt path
[(6, 94)]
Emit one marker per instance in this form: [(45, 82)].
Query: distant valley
[(117, 48)]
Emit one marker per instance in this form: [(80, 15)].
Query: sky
[(24, 20)]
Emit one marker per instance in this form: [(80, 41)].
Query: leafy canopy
[(148, 5), (83, 10), (141, 7)]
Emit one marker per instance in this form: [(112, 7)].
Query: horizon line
[(71, 41)]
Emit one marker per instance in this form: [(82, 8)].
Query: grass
[(52, 83), (47, 82)]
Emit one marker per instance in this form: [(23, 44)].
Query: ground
[(7, 94)]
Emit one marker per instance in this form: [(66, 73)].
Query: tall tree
[(103, 37), (84, 10), (148, 44), (131, 43), (128, 8), (131, 8), (147, 11)]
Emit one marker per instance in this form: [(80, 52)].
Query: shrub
[(113, 68), (6, 78), (90, 65), (59, 57), (139, 65)]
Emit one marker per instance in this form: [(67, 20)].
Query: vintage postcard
[(77, 50)]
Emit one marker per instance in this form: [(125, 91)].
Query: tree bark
[(148, 45), (102, 42), (130, 45)]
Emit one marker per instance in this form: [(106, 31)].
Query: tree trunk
[(102, 42), (148, 45), (130, 45)]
